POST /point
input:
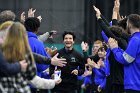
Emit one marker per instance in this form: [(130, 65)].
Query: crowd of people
[(26, 66)]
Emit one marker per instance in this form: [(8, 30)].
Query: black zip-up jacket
[(116, 69), (74, 61)]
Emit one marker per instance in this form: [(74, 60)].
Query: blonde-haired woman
[(16, 48), (5, 25)]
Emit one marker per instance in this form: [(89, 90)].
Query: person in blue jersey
[(131, 56), (32, 24), (87, 84), (101, 69)]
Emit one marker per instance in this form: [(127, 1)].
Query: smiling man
[(74, 66)]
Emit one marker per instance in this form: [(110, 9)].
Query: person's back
[(132, 70), (19, 50), (32, 24), (131, 56)]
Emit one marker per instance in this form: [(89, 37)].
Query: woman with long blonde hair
[(16, 48)]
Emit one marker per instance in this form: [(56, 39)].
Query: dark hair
[(116, 30), (134, 19), (123, 23), (7, 15), (32, 24), (68, 32)]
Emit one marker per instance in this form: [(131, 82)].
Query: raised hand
[(84, 46), (116, 5), (58, 61), (53, 32), (40, 18), (98, 13), (123, 17), (116, 9), (31, 12)]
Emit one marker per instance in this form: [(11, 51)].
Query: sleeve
[(85, 56), (44, 37), (105, 21), (42, 83), (104, 37), (107, 67), (106, 29), (96, 71), (81, 65), (102, 85), (7, 69), (114, 22), (108, 33), (87, 80), (41, 59), (129, 55), (31, 69), (51, 70)]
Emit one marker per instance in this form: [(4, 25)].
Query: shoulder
[(35, 41), (78, 54), (61, 51), (135, 39)]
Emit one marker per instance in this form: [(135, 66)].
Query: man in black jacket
[(75, 66)]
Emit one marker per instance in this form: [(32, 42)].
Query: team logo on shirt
[(73, 59)]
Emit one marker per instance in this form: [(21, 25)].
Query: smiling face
[(68, 41), (95, 48)]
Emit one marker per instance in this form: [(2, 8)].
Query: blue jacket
[(101, 74), (131, 60), (7, 69), (88, 80), (38, 47)]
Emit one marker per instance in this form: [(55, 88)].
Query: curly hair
[(7, 15), (68, 32), (116, 30), (123, 23), (32, 24)]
